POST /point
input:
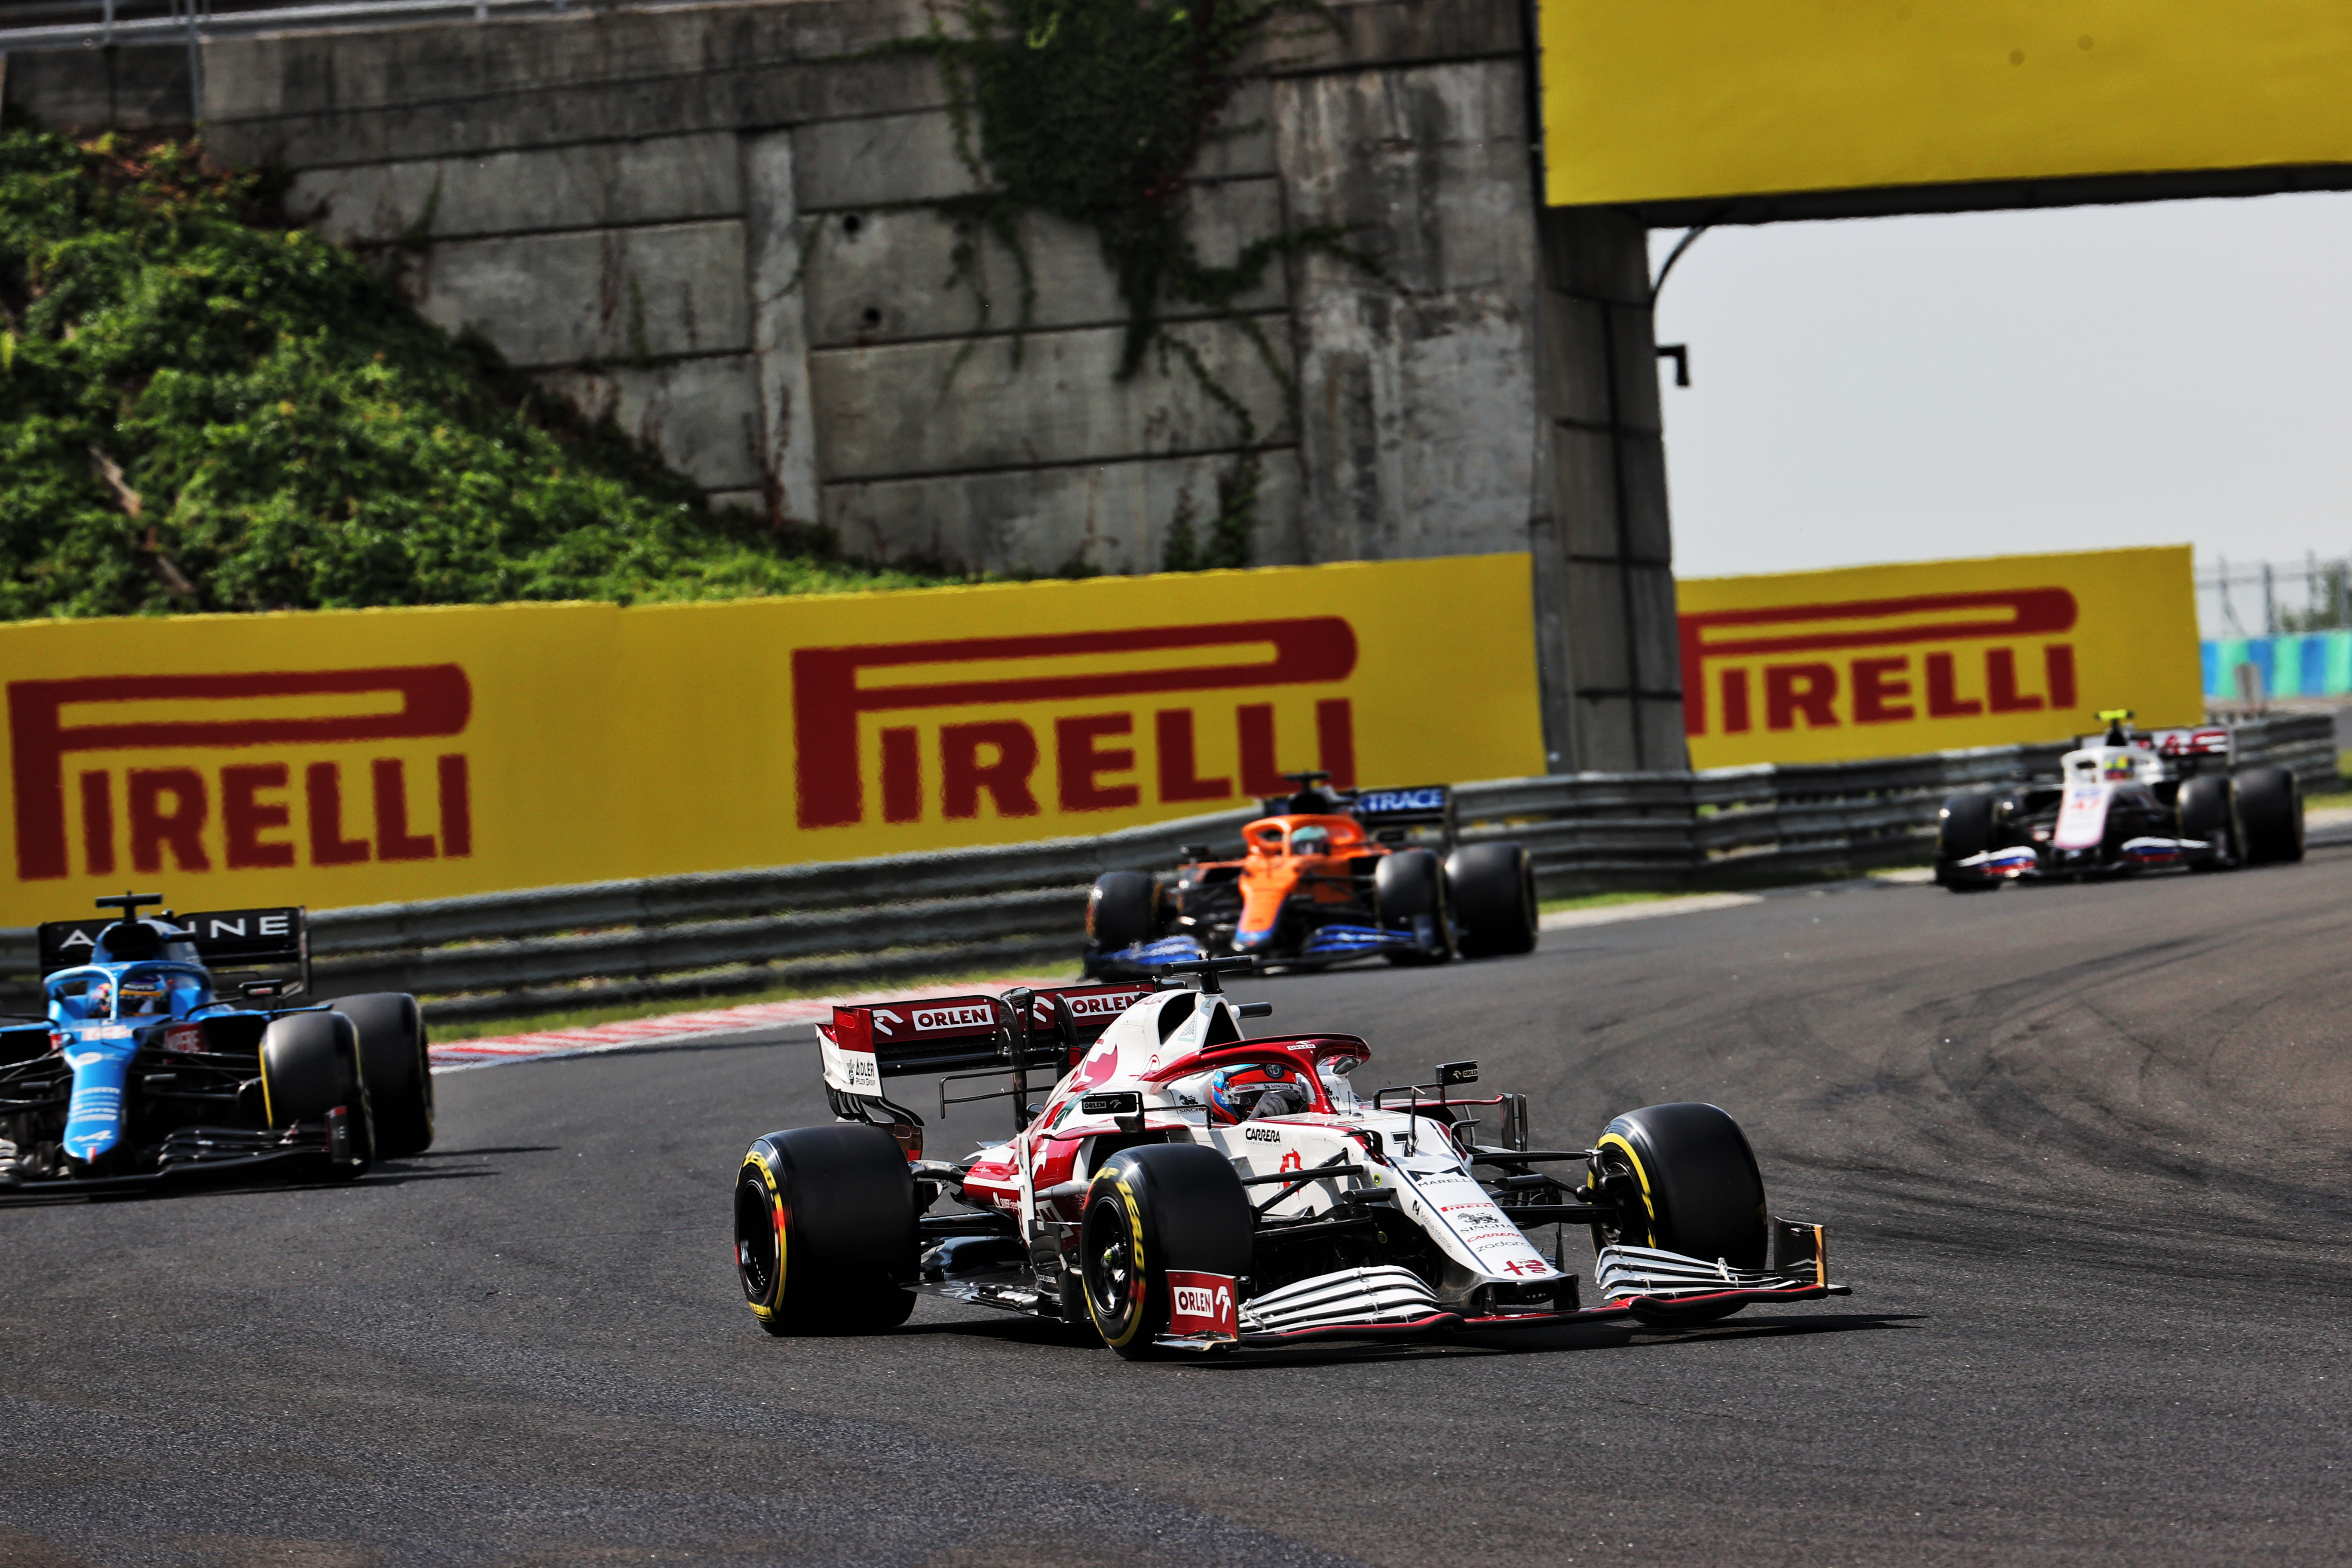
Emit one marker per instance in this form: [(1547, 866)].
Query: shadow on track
[(502, 1149)]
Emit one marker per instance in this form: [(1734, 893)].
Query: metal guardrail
[(903, 917), (94, 23)]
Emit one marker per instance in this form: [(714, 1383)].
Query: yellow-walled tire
[(1151, 1209), (1687, 1181), (310, 1065), (824, 1230)]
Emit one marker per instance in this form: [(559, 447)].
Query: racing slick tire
[(1149, 1210), (1963, 828), (310, 1065), (1122, 910), (1493, 890), (1687, 1183), (2270, 815), (824, 1230), (2207, 809), (399, 1074), (1407, 886)]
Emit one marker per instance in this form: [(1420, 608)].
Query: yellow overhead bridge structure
[(1695, 111)]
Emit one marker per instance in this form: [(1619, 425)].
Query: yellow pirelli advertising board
[(372, 756), (1880, 661), (1677, 100)]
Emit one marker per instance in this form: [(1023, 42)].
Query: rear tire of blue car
[(1963, 828), (824, 1230), (1409, 895), (1149, 1210), (2270, 815), (1493, 889), (399, 1073), (310, 1066)]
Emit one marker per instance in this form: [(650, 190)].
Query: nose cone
[(100, 1059)]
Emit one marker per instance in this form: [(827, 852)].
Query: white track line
[(1610, 914), (590, 1038)]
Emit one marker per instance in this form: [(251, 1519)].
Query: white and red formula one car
[(1185, 1186)]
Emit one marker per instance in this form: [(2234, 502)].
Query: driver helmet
[(1256, 1090), (1311, 839)]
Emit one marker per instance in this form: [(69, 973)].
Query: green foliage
[(1095, 112), (203, 409)]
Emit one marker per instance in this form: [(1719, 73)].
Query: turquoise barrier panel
[(2315, 663), (2285, 677)]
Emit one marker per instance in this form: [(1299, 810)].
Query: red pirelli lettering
[(434, 700), (2005, 614), (828, 698)]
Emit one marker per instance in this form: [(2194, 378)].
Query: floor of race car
[(2079, 1152)]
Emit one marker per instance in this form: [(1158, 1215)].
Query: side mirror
[(1256, 1010)]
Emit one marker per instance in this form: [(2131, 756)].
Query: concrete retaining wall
[(706, 221)]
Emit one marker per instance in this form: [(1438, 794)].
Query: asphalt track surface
[(2083, 1153)]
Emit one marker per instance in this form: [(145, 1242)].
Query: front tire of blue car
[(311, 1070)]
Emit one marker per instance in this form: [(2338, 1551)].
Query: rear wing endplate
[(869, 1043)]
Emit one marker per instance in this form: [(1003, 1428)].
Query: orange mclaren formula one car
[(1324, 877)]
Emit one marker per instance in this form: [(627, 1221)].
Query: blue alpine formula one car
[(142, 1074)]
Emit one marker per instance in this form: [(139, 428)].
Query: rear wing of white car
[(2178, 752), (1050, 1027)]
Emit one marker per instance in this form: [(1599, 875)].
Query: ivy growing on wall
[(1095, 112)]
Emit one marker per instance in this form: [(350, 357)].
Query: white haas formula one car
[(2123, 803), (1184, 1186)]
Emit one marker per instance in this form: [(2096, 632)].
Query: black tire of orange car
[(1407, 886), (310, 1065), (1149, 1210), (1687, 1181), (2270, 815), (398, 1071), (2207, 809), (1491, 888), (1963, 828), (1122, 910), (824, 1230)]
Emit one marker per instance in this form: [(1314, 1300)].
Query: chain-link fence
[(2271, 598)]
